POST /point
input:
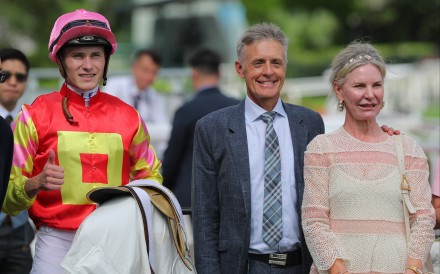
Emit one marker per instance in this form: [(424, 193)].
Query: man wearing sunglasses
[(15, 67), (16, 232)]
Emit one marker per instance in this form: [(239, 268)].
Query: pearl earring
[(341, 105)]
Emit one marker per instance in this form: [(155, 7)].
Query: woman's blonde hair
[(356, 54)]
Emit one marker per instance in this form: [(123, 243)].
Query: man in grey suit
[(228, 186)]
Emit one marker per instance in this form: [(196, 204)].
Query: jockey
[(71, 141)]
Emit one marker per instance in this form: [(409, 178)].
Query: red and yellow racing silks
[(109, 146)]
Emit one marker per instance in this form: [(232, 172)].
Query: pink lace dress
[(352, 207)]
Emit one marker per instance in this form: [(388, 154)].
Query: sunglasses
[(2, 77), (78, 23), (5, 75)]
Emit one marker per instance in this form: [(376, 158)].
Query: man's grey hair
[(258, 32)]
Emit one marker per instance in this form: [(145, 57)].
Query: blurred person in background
[(177, 162), (16, 232), (71, 141), (6, 149), (136, 89), (352, 212), (178, 157)]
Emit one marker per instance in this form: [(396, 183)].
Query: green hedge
[(303, 63)]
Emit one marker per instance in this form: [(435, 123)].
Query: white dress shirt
[(14, 113), (151, 106), (255, 131)]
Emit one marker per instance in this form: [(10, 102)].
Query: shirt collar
[(143, 93), (253, 111), (4, 112), (83, 93), (206, 87), (86, 95)]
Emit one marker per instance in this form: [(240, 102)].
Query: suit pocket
[(223, 245)]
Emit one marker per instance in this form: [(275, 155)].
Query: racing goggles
[(78, 23)]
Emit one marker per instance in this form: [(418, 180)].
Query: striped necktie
[(9, 119), (272, 207), (136, 100)]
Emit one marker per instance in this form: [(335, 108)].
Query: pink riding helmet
[(80, 23)]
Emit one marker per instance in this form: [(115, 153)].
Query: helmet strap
[(65, 100), (65, 107), (104, 75), (62, 68)]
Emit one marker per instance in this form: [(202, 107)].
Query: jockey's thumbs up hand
[(51, 178)]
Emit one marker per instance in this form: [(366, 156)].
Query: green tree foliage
[(404, 30), (385, 20), (27, 25)]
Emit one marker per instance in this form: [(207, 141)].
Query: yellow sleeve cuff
[(16, 199)]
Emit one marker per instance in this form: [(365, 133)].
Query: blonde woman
[(352, 212)]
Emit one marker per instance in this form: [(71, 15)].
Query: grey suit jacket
[(221, 186)]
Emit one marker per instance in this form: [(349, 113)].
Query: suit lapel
[(299, 134), (237, 140), (298, 131)]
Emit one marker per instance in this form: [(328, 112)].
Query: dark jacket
[(177, 161), (6, 152)]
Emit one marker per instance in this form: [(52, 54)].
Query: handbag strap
[(404, 186)]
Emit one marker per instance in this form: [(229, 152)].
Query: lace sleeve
[(423, 221), (315, 208)]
